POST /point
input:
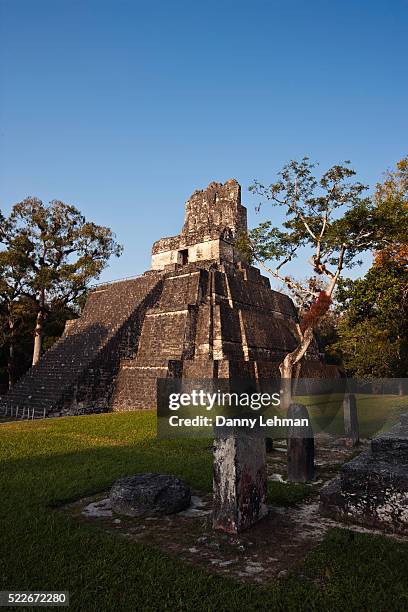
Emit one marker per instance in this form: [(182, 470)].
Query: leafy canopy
[(328, 216), (373, 326), (52, 248)]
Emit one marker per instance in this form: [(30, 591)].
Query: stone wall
[(213, 210), (215, 321)]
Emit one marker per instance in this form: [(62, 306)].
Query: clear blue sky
[(124, 108)]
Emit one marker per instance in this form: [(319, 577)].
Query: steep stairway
[(83, 363)]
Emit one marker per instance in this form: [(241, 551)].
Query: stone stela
[(351, 428), (240, 482), (301, 450)]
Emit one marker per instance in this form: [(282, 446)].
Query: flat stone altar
[(372, 488)]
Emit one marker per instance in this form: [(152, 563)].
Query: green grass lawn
[(375, 412), (46, 463)]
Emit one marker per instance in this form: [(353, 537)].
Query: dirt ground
[(267, 550)]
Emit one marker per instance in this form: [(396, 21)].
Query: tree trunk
[(10, 363), (39, 329), (288, 364)]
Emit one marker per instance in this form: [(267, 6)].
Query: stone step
[(136, 388), (392, 446)]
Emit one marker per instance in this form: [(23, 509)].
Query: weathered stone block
[(239, 487), (393, 443), (300, 454), (351, 428), (149, 494), (372, 489), (269, 445)]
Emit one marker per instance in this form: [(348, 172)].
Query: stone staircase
[(372, 489), (77, 374)]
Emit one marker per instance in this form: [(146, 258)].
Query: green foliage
[(312, 205), (391, 201), (369, 352), (328, 221), (373, 330), (288, 493), (381, 294), (243, 245), (62, 250), (327, 335), (24, 316)]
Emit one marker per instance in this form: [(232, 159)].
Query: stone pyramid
[(200, 312)]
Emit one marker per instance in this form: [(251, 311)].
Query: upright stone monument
[(351, 418), (300, 453), (240, 479)]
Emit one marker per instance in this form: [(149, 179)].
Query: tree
[(330, 220), (391, 198), (376, 307), (14, 363), (14, 266), (60, 253)]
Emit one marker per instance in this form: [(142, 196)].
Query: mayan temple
[(200, 312)]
